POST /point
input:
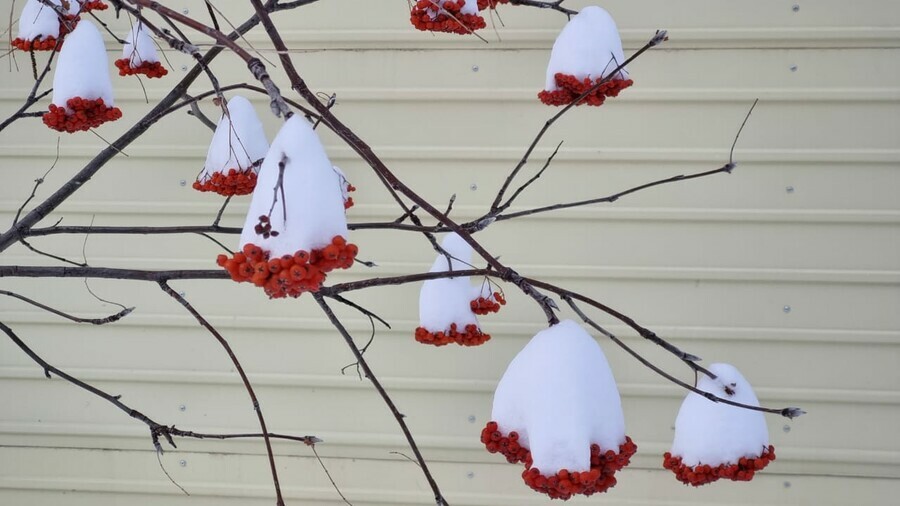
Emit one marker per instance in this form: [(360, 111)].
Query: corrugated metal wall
[(788, 268)]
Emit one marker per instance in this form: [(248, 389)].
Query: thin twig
[(94, 321)]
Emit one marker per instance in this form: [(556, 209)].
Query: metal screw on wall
[(182, 182), (786, 309), (793, 68), (795, 7), (474, 68), (471, 418), (789, 189), (182, 408), (182, 463), (473, 186)]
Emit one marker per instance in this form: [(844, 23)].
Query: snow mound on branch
[(139, 47), (445, 301), (560, 396), (38, 21), (83, 69), (309, 212), (588, 47), (239, 141), (713, 433)]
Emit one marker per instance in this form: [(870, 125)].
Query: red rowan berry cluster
[(92, 5), (508, 446), (430, 15), (483, 306), (80, 115), (571, 88), (348, 203), (234, 183), (472, 336), (563, 484), (149, 69), (45, 44), (702, 474), (492, 4), (289, 275)]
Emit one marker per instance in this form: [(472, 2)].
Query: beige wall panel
[(710, 264)]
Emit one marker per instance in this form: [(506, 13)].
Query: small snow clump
[(558, 410), (715, 440)]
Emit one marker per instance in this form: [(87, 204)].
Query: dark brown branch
[(83, 176), (786, 412), (657, 39), (438, 496), (157, 430), (555, 5), (237, 365), (94, 321), (365, 151)]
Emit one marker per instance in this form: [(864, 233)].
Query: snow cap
[(38, 21), (588, 47), (139, 47), (310, 212), (239, 141), (83, 69), (445, 301), (713, 433), (560, 396)]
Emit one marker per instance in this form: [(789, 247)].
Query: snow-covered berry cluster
[(235, 182), (451, 16), (485, 305), (470, 336), (701, 474), (80, 115), (147, 68), (93, 5), (570, 88), (289, 275)]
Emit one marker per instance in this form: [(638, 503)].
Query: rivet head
[(473, 186), (182, 463), (471, 418), (475, 68), (787, 484), (789, 189), (182, 182), (793, 67), (185, 11), (795, 7), (182, 408), (786, 309), (182, 293), (184, 68), (786, 428), (470, 475)]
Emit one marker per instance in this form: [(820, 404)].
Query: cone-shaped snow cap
[(38, 27), (139, 55), (82, 90), (587, 50), (237, 148), (715, 440), (295, 230), (445, 314), (451, 16), (557, 408)]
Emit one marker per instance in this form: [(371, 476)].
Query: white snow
[(239, 140), (445, 301), (315, 209), (38, 21), (588, 46), (139, 47), (560, 396), (83, 68), (714, 433)]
